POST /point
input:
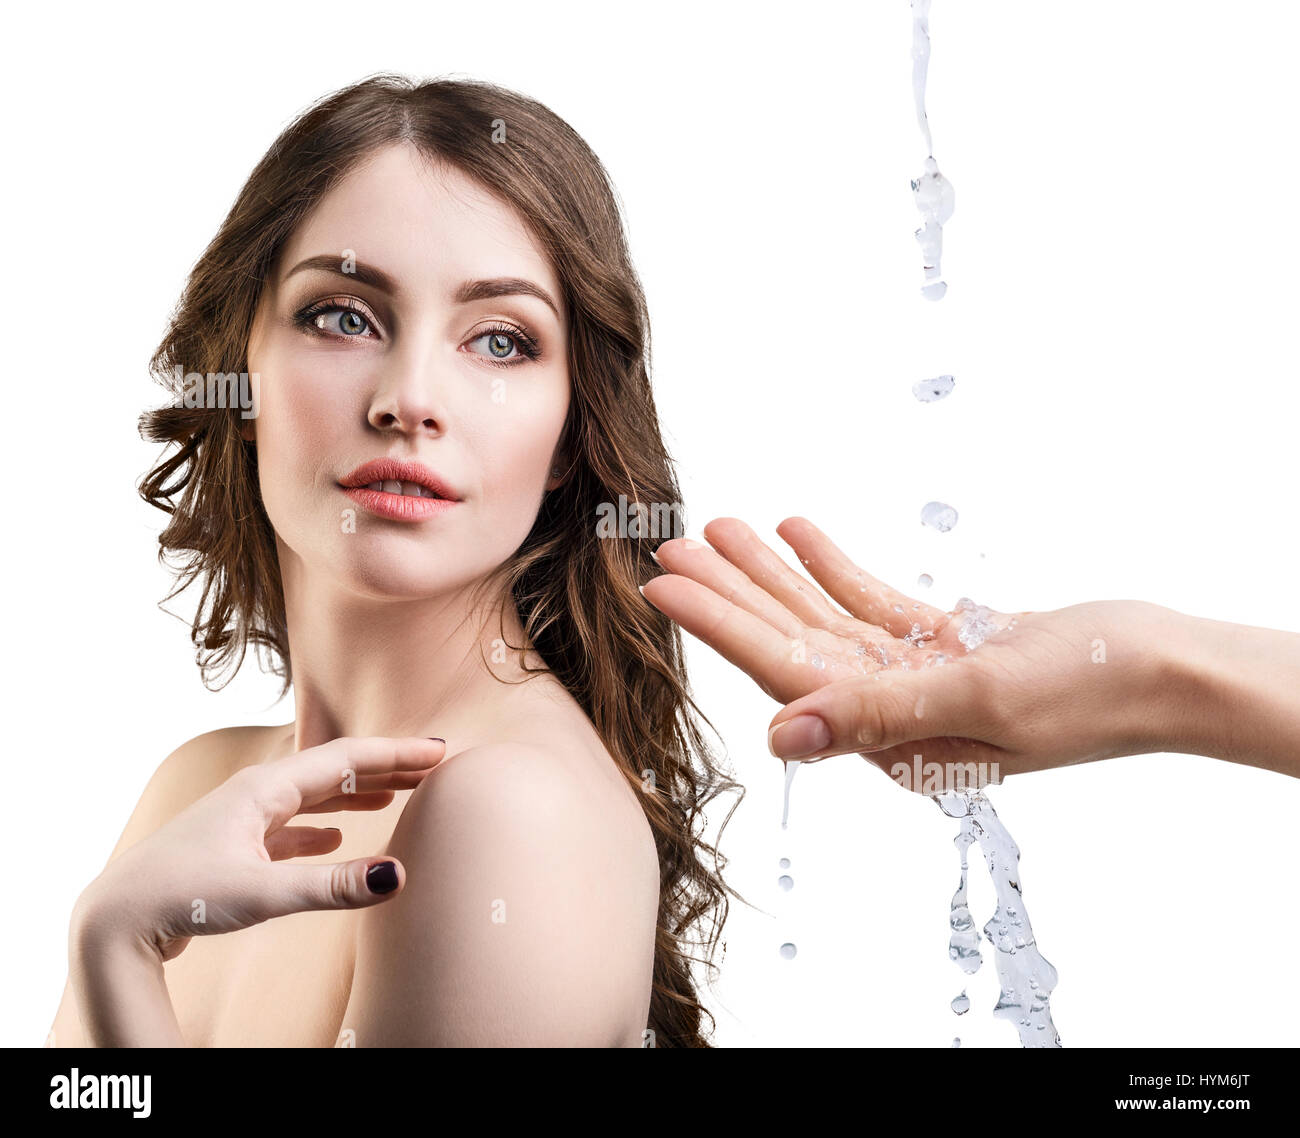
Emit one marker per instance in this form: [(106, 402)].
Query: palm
[(790, 637)]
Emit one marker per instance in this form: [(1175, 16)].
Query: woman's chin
[(386, 576)]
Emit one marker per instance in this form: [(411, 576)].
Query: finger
[(333, 768), (860, 593), (883, 710), (342, 885), (695, 560), (393, 780), (748, 641), (747, 552), (302, 841), (374, 800)]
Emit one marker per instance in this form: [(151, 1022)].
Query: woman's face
[(407, 321)]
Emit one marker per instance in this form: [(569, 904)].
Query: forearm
[(1233, 693), (119, 986)]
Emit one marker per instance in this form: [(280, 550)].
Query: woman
[(426, 293)]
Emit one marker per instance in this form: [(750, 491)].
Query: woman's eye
[(499, 345), (337, 320), (341, 321)]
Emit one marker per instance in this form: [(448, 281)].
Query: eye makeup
[(311, 319), (314, 319)]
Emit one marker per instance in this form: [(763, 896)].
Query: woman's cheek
[(286, 441)]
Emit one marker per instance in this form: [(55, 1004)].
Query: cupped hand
[(213, 868), (890, 677)]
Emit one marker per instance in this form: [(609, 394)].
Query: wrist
[(117, 979), (100, 925)]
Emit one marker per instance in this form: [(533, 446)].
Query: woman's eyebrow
[(469, 291)]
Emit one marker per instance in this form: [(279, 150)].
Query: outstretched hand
[(890, 677)]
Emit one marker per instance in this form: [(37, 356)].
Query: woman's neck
[(396, 668)]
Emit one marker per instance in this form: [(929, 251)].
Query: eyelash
[(527, 346)]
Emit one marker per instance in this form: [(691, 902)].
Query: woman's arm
[(117, 982), (1093, 681), (1233, 692)]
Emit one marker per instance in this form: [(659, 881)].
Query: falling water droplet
[(938, 515), (932, 390), (786, 882), (925, 580), (791, 766), (788, 951), (784, 863), (961, 1004)]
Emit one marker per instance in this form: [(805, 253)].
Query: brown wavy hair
[(576, 594)]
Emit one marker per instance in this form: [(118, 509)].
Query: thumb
[(881, 710), (342, 885)]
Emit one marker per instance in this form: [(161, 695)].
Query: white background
[(1120, 312)]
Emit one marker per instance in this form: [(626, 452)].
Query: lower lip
[(398, 507)]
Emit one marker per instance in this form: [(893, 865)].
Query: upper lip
[(395, 470)]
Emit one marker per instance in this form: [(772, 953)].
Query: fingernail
[(382, 878), (798, 737), (656, 557), (334, 828), (435, 739)]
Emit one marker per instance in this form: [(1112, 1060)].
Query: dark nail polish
[(382, 878)]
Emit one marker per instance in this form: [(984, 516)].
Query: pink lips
[(400, 491)]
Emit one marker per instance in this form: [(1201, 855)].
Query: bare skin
[(289, 980), (1046, 689), (528, 877)]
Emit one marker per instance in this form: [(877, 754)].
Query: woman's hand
[(212, 869), (891, 677)]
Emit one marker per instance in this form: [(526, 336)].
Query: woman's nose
[(408, 395)]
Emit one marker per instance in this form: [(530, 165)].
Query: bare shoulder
[(188, 773), (561, 790), (529, 910)]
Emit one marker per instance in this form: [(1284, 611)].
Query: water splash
[(1025, 976), (938, 515), (979, 623), (932, 390), (932, 191)]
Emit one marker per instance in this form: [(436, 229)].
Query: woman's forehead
[(422, 222)]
